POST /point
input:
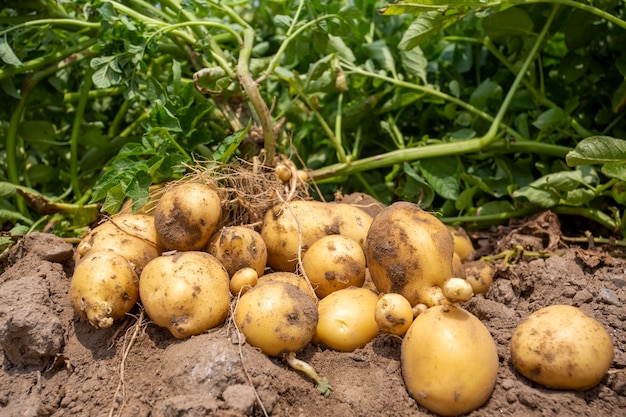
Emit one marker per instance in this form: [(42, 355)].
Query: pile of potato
[(314, 272)]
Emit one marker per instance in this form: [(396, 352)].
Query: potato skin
[(285, 223), (104, 288), (133, 236), (290, 278), (410, 252), (334, 262), (449, 361), (561, 347), (187, 292), (276, 317), (186, 216), (238, 247)]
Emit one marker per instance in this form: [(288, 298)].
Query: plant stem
[(254, 95), (577, 5), (76, 130)]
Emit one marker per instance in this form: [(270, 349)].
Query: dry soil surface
[(54, 364)]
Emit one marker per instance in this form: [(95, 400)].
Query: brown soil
[(57, 365)]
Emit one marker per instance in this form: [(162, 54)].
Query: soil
[(54, 364)]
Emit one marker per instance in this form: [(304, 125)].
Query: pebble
[(609, 297), (583, 297)]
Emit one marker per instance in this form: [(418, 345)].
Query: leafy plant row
[(479, 111)]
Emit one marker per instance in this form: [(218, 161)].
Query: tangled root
[(247, 188)]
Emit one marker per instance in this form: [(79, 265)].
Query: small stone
[(609, 297), (583, 297), (241, 398)]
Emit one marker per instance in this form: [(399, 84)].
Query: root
[(119, 397), (321, 383)]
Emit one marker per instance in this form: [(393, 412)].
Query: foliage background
[(420, 100)]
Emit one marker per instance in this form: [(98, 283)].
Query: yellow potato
[(289, 278), (462, 243), (449, 361), (243, 280), (480, 275), (293, 227), (394, 314), (238, 247), (561, 347), (132, 236), (347, 319), (276, 317), (187, 215), (104, 288), (187, 292), (334, 262), (410, 252)]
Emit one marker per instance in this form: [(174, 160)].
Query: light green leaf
[(494, 207), (484, 93), (443, 175), (615, 170), (424, 27), (7, 54), (510, 22), (414, 62), (230, 144), (597, 150)]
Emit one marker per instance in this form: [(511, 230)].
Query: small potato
[(334, 262), (243, 280), (276, 317), (410, 252), (104, 288), (347, 319), (457, 290), (290, 278), (132, 236), (238, 247), (187, 292), (187, 215), (480, 275), (293, 227), (449, 361), (561, 347), (394, 314), (462, 243)]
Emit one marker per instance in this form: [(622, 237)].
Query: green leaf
[(7, 190), (597, 150), (163, 117), (495, 207), (230, 144), (415, 188), (549, 119), (615, 170), (7, 54), (443, 175), (510, 22), (424, 27), (486, 92), (414, 62)]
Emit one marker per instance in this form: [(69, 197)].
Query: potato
[(238, 247), (243, 280), (463, 246), (296, 225), (449, 361), (347, 319), (480, 275), (410, 252), (334, 262), (394, 314), (104, 288), (290, 278), (457, 290), (276, 317), (187, 292), (561, 347), (187, 215), (458, 270), (132, 236)]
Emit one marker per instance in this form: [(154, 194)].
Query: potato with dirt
[(332, 263), (449, 361), (238, 247), (104, 287), (561, 347), (187, 215), (289, 229), (186, 292), (410, 252), (290, 278), (133, 236)]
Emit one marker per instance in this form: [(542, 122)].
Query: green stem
[(94, 94), (55, 22), (12, 148), (592, 214), (341, 153), (43, 61), (254, 95), (76, 131), (575, 4)]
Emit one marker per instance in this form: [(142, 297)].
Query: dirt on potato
[(54, 364)]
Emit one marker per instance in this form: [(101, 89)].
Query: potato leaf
[(425, 26), (597, 150)]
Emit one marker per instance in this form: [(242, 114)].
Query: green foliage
[(478, 111)]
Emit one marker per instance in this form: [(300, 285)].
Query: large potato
[(187, 215), (132, 236), (290, 278), (561, 347), (104, 288), (449, 361), (410, 252), (334, 262), (187, 292), (238, 247), (290, 227)]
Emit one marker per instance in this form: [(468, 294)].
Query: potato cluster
[(322, 273)]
